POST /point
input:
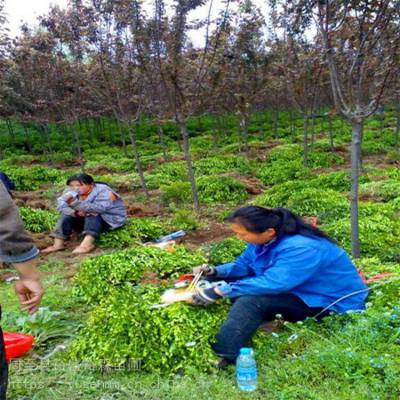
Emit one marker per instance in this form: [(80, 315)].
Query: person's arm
[(63, 203), (103, 202), (29, 287), (16, 244), (291, 268), (238, 268)]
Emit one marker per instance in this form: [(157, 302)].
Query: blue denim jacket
[(98, 202), (314, 269)]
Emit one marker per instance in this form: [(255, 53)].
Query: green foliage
[(98, 275), (112, 162), (185, 220), (136, 229), (33, 178), (222, 164), (326, 204), (176, 193), (337, 180), (166, 174), (324, 159), (225, 251), (44, 325), (123, 329), (282, 171), (37, 221), (285, 162), (221, 189), (382, 190), (211, 190), (379, 234)]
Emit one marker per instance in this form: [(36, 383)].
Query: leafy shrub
[(337, 180), (124, 329), (225, 251), (185, 219), (382, 190), (285, 162), (177, 193), (98, 275), (221, 189), (33, 178), (325, 204), (221, 164), (281, 171), (166, 174), (211, 190), (38, 221), (324, 159), (379, 235), (112, 162), (136, 229)]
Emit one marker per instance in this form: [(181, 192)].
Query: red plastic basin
[(17, 344)]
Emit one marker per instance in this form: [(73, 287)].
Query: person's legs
[(93, 226), (64, 228), (247, 314), (3, 367)]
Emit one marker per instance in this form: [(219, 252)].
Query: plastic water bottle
[(246, 370)]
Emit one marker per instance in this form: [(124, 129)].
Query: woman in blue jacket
[(289, 268)]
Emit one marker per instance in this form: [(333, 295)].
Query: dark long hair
[(258, 219), (84, 179)]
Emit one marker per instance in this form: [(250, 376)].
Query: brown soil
[(151, 278), (213, 233), (102, 170), (32, 199), (253, 185), (142, 210)]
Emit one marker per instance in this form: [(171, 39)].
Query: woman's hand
[(205, 297), (206, 269)]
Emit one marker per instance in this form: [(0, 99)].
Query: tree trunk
[(312, 132), (199, 123), (78, 146), (136, 154), (292, 128), (275, 123), (47, 139), (122, 134), (397, 131), (357, 129), (186, 148), (27, 138), (164, 149), (11, 132), (305, 141), (244, 128), (382, 122), (330, 128)]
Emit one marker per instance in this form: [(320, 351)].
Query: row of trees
[(107, 58)]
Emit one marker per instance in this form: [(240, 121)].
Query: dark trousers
[(3, 367), (249, 312), (92, 225)]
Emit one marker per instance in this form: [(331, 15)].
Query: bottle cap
[(245, 351)]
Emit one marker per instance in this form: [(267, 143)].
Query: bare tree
[(360, 40)]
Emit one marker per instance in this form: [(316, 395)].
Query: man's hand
[(206, 269), (30, 293)]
